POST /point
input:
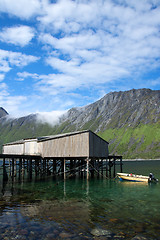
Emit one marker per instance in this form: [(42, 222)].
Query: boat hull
[(133, 177)]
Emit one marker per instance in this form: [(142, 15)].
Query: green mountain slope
[(129, 120)]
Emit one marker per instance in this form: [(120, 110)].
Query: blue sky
[(55, 55)]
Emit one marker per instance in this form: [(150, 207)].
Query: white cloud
[(87, 44), (21, 8), (23, 75), (10, 103), (114, 41), (50, 117), (9, 59), (2, 76), (18, 35)]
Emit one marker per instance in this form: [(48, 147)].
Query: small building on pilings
[(64, 153)]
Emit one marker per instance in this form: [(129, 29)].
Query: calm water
[(77, 209)]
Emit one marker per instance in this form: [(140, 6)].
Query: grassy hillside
[(140, 142)]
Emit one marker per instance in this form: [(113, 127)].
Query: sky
[(59, 54)]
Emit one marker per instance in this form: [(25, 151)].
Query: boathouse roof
[(46, 138)]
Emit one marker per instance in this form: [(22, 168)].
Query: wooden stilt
[(20, 168), (12, 168), (92, 168), (107, 168), (114, 167), (48, 170), (54, 167), (27, 165), (9, 167), (87, 168), (110, 165), (23, 168), (97, 168), (121, 165), (15, 167), (36, 167), (30, 168), (64, 168), (5, 176), (102, 167)]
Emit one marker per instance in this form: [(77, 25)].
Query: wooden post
[(15, 168), (82, 168), (30, 168), (87, 168), (44, 166), (98, 168), (36, 167), (20, 168), (110, 165), (12, 168), (27, 165), (9, 167), (74, 167), (102, 167), (48, 170), (92, 168), (106, 167), (5, 176), (79, 168), (54, 167), (114, 167), (64, 168), (23, 168), (121, 165)]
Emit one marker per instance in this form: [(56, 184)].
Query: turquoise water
[(81, 209)]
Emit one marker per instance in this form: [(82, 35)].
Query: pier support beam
[(121, 165), (106, 168), (87, 168), (5, 176), (64, 168), (20, 168)]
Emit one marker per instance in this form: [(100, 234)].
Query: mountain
[(3, 112), (129, 120)]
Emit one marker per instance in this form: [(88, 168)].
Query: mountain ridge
[(129, 120)]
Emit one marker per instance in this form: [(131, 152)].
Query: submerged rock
[(101, 232), (139, 237)]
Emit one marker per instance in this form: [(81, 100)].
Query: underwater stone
[(139, 237), (101, 232)]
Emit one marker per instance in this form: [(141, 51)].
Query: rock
[(119, 237), (50, 236), (64, 235), (101, 232), (139, 237)]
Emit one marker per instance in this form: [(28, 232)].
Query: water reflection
[(77, 209)]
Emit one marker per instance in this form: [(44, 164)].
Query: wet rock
[(101, 232), (23, 232), (64, 235), (119, 237), (50, 236), (113, 220), (139, 237)]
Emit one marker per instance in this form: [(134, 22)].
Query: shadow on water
[(80, 209)]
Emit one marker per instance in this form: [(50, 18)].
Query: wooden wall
[(76, 145), (13, 149), (31, 147), (27, 147), (98, 147)]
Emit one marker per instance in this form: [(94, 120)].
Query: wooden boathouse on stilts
[(80, 153)]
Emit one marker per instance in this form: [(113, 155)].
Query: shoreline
[(139, 159)]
